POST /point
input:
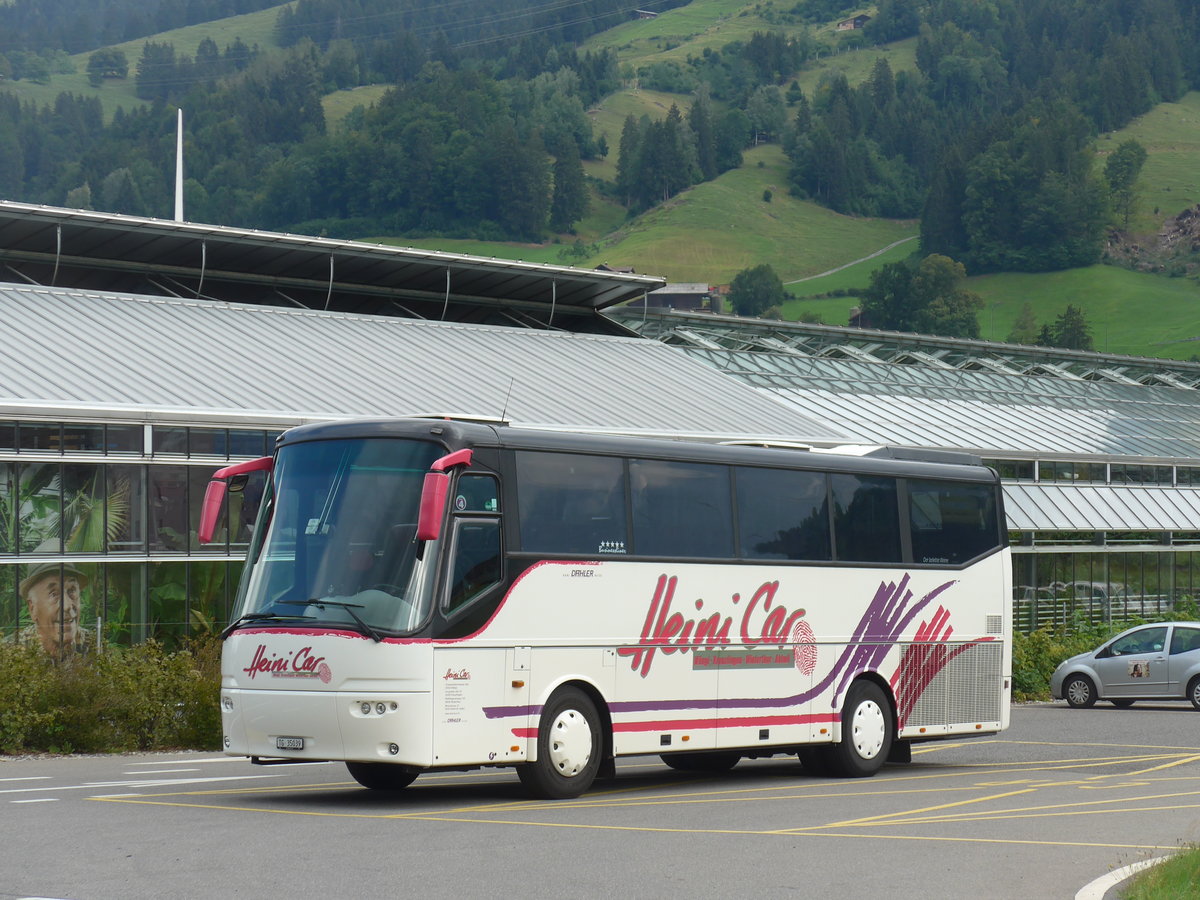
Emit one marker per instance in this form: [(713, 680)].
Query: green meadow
[(1170, 181), (712, 231), (1129, 312)]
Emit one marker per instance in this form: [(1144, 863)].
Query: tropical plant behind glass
[(96, 519)]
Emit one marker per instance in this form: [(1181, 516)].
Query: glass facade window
[(83, 438), (1073, 471), (1187, 476), (39, 504), (169, 440), (78, 508), (247, 443), (1012, 469), (125, 508), (38, 437), (1123, 473), (124, 439), (9, 507), (168, 523), (208, 442)]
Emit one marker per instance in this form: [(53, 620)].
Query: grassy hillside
[(714, 230), (253, 28), (1130, 312), (1170, 181)]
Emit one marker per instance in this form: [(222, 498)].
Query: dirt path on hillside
[(855, 262)]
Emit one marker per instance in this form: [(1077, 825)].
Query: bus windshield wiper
[(256, 617), (348, 607)]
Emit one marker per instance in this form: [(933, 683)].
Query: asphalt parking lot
[(1061, 798)]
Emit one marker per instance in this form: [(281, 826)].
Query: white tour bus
[(430, 594)]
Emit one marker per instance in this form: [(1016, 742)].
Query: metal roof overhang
[(1070, 507), (57, 247)]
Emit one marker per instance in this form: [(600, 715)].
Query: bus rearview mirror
[(433, 505)]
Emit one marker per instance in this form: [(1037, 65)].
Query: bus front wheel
[(381, 776), (866, 732), (568, 747)]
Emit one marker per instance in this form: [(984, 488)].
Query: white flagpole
[(179, 168)]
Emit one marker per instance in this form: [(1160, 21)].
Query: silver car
[(1149, 662)]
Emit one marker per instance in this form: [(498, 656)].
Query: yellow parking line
[(884, 819)]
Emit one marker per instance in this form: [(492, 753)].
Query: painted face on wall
[(54, 608)]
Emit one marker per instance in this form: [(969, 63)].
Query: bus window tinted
[(951, 523), (476, 559), (866, 523), (571, 503), (783, 514), (477, 493), (681, 509)]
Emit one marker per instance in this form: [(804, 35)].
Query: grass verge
[(1176, 879)]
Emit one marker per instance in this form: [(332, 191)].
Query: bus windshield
[(336, 540)]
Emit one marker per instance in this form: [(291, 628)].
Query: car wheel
[(568, 748), (381, 776), (1079, 692), (1194, 692), (1122, 704)]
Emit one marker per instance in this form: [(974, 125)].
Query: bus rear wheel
[(702, 761), (568, 747), (381, 776), (867, 732)]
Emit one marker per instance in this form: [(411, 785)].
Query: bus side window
[(782, 514), (476, 560), (951, 522), (866, 518), (681, 509), (571, 503)]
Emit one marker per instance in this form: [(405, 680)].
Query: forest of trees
[(989, 143), (76, 26)]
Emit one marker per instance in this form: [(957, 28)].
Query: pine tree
[(1025, 328), (570, 201)]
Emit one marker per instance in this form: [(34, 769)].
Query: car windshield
[(335, 543)]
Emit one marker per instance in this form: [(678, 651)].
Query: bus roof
[(458, 432)]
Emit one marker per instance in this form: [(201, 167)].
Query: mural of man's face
[(54, 607)]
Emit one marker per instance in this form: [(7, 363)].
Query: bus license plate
[(289, 743)]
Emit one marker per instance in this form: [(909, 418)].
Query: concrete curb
[(1096, 890)]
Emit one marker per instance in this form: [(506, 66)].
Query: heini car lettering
[(673, 633), (300, 664)]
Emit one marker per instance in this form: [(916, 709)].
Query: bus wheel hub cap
[(570, 743)]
